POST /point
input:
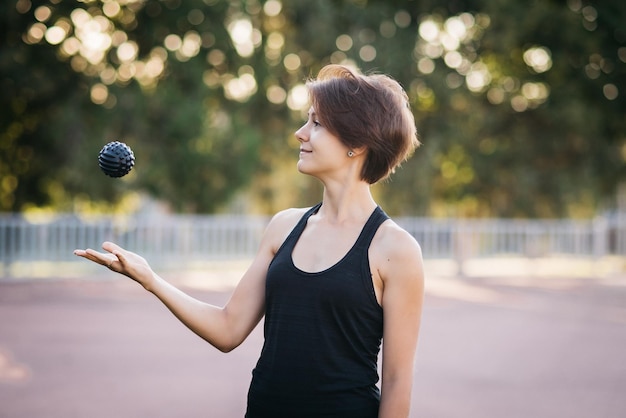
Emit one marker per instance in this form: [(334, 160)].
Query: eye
[(316, 123)]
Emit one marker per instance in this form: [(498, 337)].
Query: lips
[(305, 151)]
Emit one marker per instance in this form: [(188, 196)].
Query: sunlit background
[(86, 40), (516, 120)]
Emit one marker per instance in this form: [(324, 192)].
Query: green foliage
[(520, 105)]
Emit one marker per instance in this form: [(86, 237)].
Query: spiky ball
[(116, 159)]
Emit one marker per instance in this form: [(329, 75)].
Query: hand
[(121, 261)]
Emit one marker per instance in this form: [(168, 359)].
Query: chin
[(301, 168)]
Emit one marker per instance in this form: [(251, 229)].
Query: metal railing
[(527, 238), (179, 241)]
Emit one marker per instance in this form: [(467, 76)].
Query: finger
[(111, 247), (110, 262), (117, 251), (88, 254), (123, 256), (100, 258)]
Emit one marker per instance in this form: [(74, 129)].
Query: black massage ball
[(116, 159)]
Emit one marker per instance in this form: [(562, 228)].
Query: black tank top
[(323, 333)]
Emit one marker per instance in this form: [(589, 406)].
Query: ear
[(358, 151)]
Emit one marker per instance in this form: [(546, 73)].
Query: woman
[(333, 280)]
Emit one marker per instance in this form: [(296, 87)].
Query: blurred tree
[(517, 119), (520, 119), (76, 75)]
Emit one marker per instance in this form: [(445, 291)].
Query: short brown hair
[(370, 111)]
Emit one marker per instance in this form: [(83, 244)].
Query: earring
[(350, 154)]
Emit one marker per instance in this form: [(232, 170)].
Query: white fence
[(178, 241)]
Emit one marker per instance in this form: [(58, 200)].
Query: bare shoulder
[(286, 219), (396, 253), (281, 225), (394, 241), (289, 214)]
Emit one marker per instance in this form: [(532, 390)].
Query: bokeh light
[(538, 58)]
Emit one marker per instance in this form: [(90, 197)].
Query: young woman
[(332, 281)]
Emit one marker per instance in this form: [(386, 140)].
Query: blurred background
[(517, 194), (520, 106)]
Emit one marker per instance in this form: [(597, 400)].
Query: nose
[(301, 134)]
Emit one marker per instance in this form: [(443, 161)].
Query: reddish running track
[(488, 348)]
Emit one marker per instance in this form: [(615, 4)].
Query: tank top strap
[(371, 226), (295, 233), (297, 230)]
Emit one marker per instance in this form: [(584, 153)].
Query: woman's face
[(321, 152)]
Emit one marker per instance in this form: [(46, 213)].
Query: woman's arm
[(223, 327), (399, 264)]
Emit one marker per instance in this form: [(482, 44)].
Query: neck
[(347, 202)]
